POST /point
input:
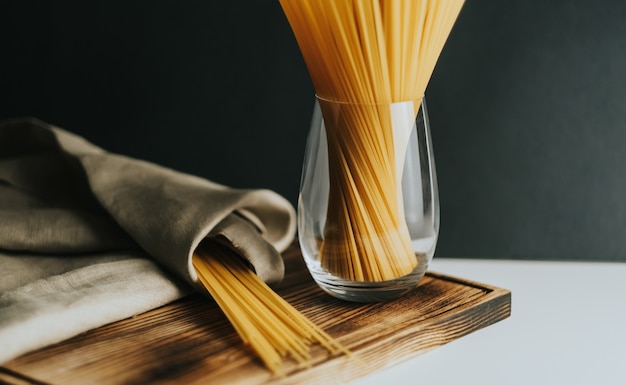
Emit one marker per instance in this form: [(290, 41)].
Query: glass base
[(355, 291)]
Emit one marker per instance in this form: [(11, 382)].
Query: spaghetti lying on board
[(263, 319), (363, 56)]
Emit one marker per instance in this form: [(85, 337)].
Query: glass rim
[(355, 103)]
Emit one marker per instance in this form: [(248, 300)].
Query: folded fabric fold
[(55, 298), (65, 198)]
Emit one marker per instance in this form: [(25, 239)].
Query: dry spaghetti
[(263, 319), (363, 57)]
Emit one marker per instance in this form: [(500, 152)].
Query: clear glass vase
[(368, 208)]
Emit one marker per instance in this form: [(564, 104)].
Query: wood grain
[(191, 342)]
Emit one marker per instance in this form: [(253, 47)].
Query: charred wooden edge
[(9, 377)]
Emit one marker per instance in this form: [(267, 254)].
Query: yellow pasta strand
[(263, 319), (362, 56)]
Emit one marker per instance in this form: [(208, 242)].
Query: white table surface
[(567, 326)]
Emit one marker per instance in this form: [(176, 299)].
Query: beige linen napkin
[(88, 237)]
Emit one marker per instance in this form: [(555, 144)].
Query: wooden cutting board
[(190, 341)]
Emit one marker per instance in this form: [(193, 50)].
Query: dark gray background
[(527, 107)]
